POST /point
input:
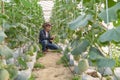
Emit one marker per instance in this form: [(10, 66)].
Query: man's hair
[(46, 24)]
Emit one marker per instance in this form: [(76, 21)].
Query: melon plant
[(36, 47), (12, 71), (4, 75), (31, 50)]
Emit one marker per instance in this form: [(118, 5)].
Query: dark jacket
[(42, 36)]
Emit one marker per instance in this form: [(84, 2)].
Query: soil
[(52, 71)]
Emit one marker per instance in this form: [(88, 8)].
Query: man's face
[(48, 28)]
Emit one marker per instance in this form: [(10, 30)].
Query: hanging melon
[(4, 75), (83, 65)]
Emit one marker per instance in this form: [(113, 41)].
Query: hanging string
[(2, 11), (107, 16), (81, 7), (107, 12)]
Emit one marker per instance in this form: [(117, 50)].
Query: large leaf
[(80, 22), (94, 56), (75, 43), (96, 50), (81, 48), (5, 51), (105, 62), (111, 35), (2, 36), (112, 13)]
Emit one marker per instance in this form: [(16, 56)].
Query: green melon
[(83, 65), (4, 75)]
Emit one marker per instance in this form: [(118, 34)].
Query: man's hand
[(52, 37)]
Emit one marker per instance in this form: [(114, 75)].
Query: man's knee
[(44, 42)]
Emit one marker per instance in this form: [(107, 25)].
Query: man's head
[(47, 26)]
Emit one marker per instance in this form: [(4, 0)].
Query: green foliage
[(105, 62), (80, 22), (3, 16), (39, 54), (6, 52), (94, 56), (12, 71), (38, 65), (111, 3), (32, 77), (111, 35), (94, 50), (117, 61), (112, 13), (36, 47), (60, 20), (99, 60), (81, 48), (22, 63), (2, 36), (25, 20), (76, 77), (63, 61), (26, 3), (30, 50)]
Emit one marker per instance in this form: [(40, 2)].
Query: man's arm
[(43, 36)]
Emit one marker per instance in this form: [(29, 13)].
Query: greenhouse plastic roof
[(47, 8)]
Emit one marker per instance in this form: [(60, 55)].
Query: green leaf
[(22, 63), (81, 48), (26, 3), (93, 55), (5, 51), (95, 50), (112, 13), (12, 71), (75, 43), (6, 25), (111, 3), (2, 36), (17, 1), (22, 26), (80, 22), (105, 62), (111, 35), (3, 16)]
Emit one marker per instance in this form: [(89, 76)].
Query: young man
[(46, 39)]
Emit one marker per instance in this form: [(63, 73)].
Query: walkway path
[(52, 71)]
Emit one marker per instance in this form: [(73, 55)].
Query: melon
[(4, 75), (83, 65)]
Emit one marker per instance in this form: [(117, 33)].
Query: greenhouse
[(59, 39)]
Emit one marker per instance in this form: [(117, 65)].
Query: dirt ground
[(52, 71)]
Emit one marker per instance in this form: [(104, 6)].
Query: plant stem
[(110, 50), (2, 6), (2, 11)]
